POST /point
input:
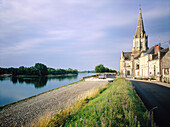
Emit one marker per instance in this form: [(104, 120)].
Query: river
[(15, 89)]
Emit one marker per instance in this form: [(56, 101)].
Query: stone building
[(142, 61), (165, 65)]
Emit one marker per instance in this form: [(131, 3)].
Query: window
[(166, 71), (137, 66), (127, 65), (154, 70), (128, 72)]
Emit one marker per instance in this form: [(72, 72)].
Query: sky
[(78, 34)]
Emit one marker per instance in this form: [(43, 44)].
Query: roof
[(151, 50), (127, 55), (136, 56), (140, 27), (164, 51)]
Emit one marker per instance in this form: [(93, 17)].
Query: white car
[(101, 77)]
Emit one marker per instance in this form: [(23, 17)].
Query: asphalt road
[(154, 95)]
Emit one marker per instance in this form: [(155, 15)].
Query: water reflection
[(13, 89), (40, 82), (2, 78), (61, 78)]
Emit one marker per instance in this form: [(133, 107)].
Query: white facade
[(153, 63)]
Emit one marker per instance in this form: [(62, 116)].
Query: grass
[(139, 78), (61, 117), (152, 79), (116, 104)]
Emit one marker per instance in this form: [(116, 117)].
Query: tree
[(42, 69), (39, 70), (107, 69), (100, 68), (21, 70)]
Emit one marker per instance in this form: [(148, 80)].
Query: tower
[(140, 39)]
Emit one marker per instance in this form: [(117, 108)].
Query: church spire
[(140, 39), (140, 27)]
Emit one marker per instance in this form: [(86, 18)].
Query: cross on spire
[(140, 4)]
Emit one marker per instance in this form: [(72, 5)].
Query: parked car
[(101, 77)]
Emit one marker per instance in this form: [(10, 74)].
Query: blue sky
[(79, 34)]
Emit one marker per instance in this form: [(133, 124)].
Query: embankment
[(116, 105), (50, 102)]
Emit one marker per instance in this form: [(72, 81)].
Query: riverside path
[(155, 97)]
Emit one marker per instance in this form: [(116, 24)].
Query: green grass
[(114, 105), (139, 78)]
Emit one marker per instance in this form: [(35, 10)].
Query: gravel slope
[(20, 113)]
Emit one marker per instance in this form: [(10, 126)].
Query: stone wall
[(166, 60), (166, 67)]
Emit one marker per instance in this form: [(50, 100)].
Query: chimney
[(156, 49)]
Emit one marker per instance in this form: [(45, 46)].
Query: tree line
[(100, 69), (87, 72), (39, 69)]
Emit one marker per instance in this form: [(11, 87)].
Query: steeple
[(140, 27), (140, 39)]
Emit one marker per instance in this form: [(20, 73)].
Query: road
[(154, 95)]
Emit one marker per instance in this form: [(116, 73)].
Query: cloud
[(157, 12), (73, 28)]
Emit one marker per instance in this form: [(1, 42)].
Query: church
[(145, 62)]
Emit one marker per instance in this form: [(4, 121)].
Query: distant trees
[(39, 70), (52, 71), (87, 72), (100, 69)]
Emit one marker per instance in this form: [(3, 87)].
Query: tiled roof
[(140, 27), (136, 56), (164, 51), (151, 50), (127, 55)]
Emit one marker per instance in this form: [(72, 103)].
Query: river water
[(15, 89)]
